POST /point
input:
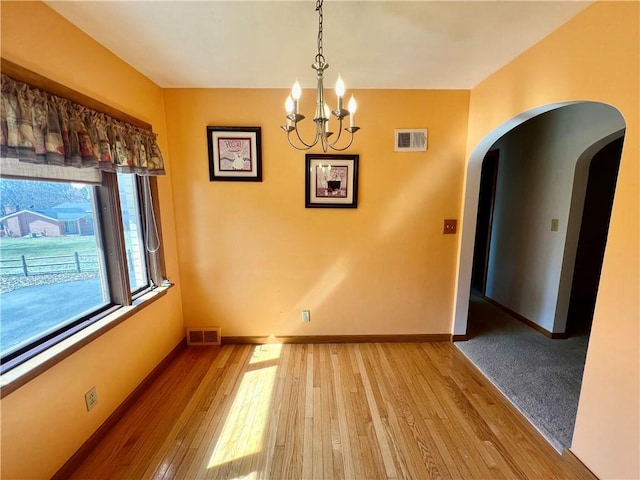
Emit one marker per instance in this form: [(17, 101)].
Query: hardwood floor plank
[(343, 424), (380, 433), (407, 455), (317, 432), (371, 460), (292, 433), (336, 451), (270, 435), (325, 411), (308, 439), (455, 455)]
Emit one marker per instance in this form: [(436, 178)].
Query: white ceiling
[(268, 44)]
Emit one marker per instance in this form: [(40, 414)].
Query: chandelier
[(323, 113)]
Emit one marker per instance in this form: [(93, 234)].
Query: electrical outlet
[(306, 315), (91, 398), (554, 224), (450, 226)]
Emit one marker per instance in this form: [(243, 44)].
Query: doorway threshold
[(540, 376)]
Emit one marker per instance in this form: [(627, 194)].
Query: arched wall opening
[(558, 308)]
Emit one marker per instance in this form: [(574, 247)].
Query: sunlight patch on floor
[(265, 353), (243, 431)]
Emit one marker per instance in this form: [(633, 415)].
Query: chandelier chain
[(320, 56)]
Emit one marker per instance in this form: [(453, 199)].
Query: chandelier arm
[(323, 142), (317, 136), (335, 142), (306, 145), (337, 139), (333, 147), (295, 146)]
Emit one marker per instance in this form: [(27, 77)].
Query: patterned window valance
[(41, 128)]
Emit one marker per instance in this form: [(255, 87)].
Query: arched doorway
[(538, 217), (573, 214)]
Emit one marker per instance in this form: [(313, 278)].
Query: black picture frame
[(331, 181), (235, 154)]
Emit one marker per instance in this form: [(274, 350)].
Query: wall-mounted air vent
[(410, 140), (203, 336)]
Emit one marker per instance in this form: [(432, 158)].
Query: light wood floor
[(371, 411)]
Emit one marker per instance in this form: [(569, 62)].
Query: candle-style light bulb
[(327, 115), (288, 106), (296, 92), (339, 91), (339, 87), (353, 106), (327, 111)]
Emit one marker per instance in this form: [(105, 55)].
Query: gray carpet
[(540, 376)]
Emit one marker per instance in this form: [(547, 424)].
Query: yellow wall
[(45, 421), (252, 257), (593, 57)]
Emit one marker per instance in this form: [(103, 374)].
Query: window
[(69, 253), (132, 229)]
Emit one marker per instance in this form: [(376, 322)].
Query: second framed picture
[(331, 181)]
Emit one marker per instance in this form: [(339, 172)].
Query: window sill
[(27, 371)]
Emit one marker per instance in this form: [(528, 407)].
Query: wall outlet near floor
[(554, 224), (91, 398), (306, 315)]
